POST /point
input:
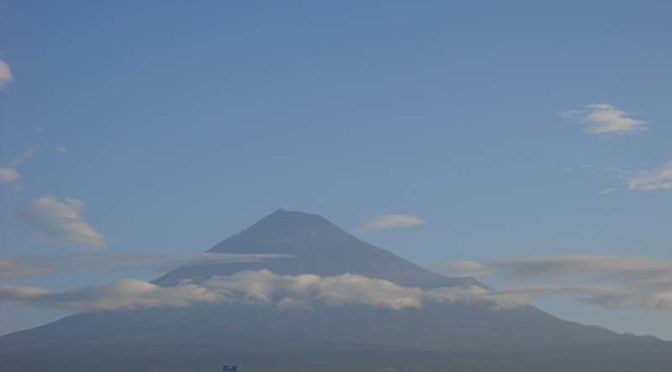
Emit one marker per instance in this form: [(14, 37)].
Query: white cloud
[(605, 119), (61, 149), (9, 175), (392, 221), (250, 287), (654, 179), (5, 74), (267, 288), (61, 222)]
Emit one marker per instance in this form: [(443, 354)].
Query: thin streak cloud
[(391, 221), (15, 267), (618, 282)]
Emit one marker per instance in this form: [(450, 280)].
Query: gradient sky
[(176, 124)]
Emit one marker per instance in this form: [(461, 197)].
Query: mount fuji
[(325, 335)]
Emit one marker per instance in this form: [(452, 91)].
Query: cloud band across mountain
[(251, 287)]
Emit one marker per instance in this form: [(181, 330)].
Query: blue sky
[(176, 125)]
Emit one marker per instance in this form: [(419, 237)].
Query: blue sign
[(230, 367)]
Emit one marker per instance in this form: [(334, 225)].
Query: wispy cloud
[(611, 267), (6, 76), (10, 173), (650, 179), (125, 294), (618, 282), (605, 119), (641, 180), (391, 221), (61, 222), (252, 287), (14, 267), (26, 154)]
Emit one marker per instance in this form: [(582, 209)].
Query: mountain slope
[(437, 337)]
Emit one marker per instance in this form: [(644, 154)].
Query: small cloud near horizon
[(6, 76), (391, 221), (606, 119)]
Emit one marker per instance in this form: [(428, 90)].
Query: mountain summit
[(314, 246), (287, 232), (287, 226), (326, 337)]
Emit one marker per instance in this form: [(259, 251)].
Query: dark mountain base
[(438, 338), (602, 358)]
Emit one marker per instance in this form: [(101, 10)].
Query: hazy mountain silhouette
[(316, 246), (436, 337)]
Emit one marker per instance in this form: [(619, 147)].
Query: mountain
[(315, 246), (457, 336)]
